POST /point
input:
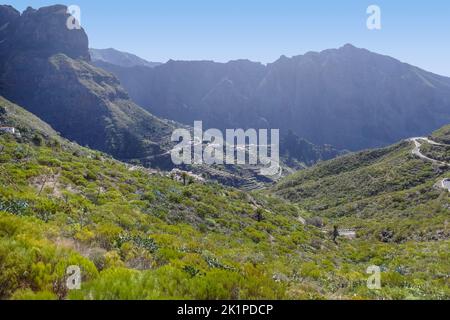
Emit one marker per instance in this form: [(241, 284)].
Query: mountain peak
[(351, 49), (348, 46), (7, 10), (119, 58)]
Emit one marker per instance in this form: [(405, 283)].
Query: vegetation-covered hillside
[(138, 235), (389, 194)]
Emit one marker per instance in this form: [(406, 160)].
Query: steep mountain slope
[(389, 194), (137, 235), (45, 68), (349, 98), (119, 58)]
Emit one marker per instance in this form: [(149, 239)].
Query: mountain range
[(140, 233), (46, 68), (349, 97), (49, 70)]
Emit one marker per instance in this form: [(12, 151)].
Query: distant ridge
[(349, 97), (119, 58)]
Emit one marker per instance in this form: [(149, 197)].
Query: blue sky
[(417, 32)]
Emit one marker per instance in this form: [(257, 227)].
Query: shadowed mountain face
[(350, 98), (45, 68), (120, 58)]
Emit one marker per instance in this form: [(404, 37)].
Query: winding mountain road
[(416, 151), (445, 183)]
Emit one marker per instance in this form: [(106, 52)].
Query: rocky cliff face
[(43, 32), (45, 68)]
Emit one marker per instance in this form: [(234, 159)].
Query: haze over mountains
[(348, 97)]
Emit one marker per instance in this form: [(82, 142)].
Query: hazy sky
[(417, 32)]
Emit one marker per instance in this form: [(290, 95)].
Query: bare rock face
[(43, 32)]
